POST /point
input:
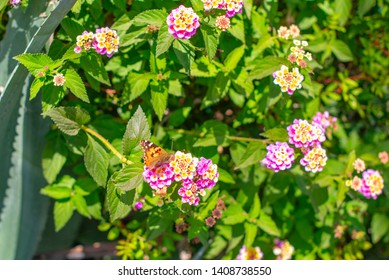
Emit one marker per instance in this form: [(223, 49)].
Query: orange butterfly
[(154, 155)]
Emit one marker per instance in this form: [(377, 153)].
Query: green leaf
[(119, 205), (234, 215), (211, 204), (159, 96), (379, 227), (137, 129), (92, 63), (233, 58), (136, 85), (364, 6), (255, 209), (179, 116), (76, 85), (343, 9), (72, 27), (197, 5), (185, 53), (237, 28), (253, 154), (216, 133), (276, 134), (51, 96), (198, 229), (57, 192), (152, 17), (34, 62), (211, 40), (250, 233), (129, 177), (217, 90), (96, 161), (63, 211), (69, 119), (36, 86), (80, 203), (164, 40), (53, 158), (351, 158), (225, 177), (122, 24), (341, 51), (265, 67), (267, 224)]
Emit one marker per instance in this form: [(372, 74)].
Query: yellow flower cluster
[(184, 166), (288, 81), (107, 41), (298, 53)]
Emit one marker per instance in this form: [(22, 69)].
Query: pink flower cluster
[(251, 253), (232, 7), (279, 156), (302, 134), (283, 249), (324, 120), (104, 41), (370, 185), (183, 22), (195, 176), (306, 136), (15, 3)]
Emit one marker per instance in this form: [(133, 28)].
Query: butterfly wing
[(153, 154)]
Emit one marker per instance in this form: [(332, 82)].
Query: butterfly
[(154, 155)]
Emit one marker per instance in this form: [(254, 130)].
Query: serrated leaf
[(341, 51), (343, 9), (153, 17), (51, 96), (211, 40), (72, 27), (80, 203), (250, 234), (129, 177), (276, 134), (122, 24), (93, 64), (63, 211), (185, 53), (267, 224), (364, 6), (164, 40), (119, 205), (379, 227), (53, 158), (136, 85), (255, 209), (159, 96), (211, 204), (233, 58), (36, 86), (96, 161), (137, 129), (265, 67), (253, 154), (237, 29), (234, 215), (57, 192), (69, 119), (76, 85), (197, 5), (34, 62)]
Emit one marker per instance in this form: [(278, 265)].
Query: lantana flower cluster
[(370, 184), (291, 80), (104, 41), (232, 7), (195, 175), (287, 33), (298, 54), (15, 3), (305, 136), (183, 22), (283, 249), (251, 253)]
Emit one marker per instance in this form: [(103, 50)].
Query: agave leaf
[(23, 210)]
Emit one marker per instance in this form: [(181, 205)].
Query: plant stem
[(107, 144)]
